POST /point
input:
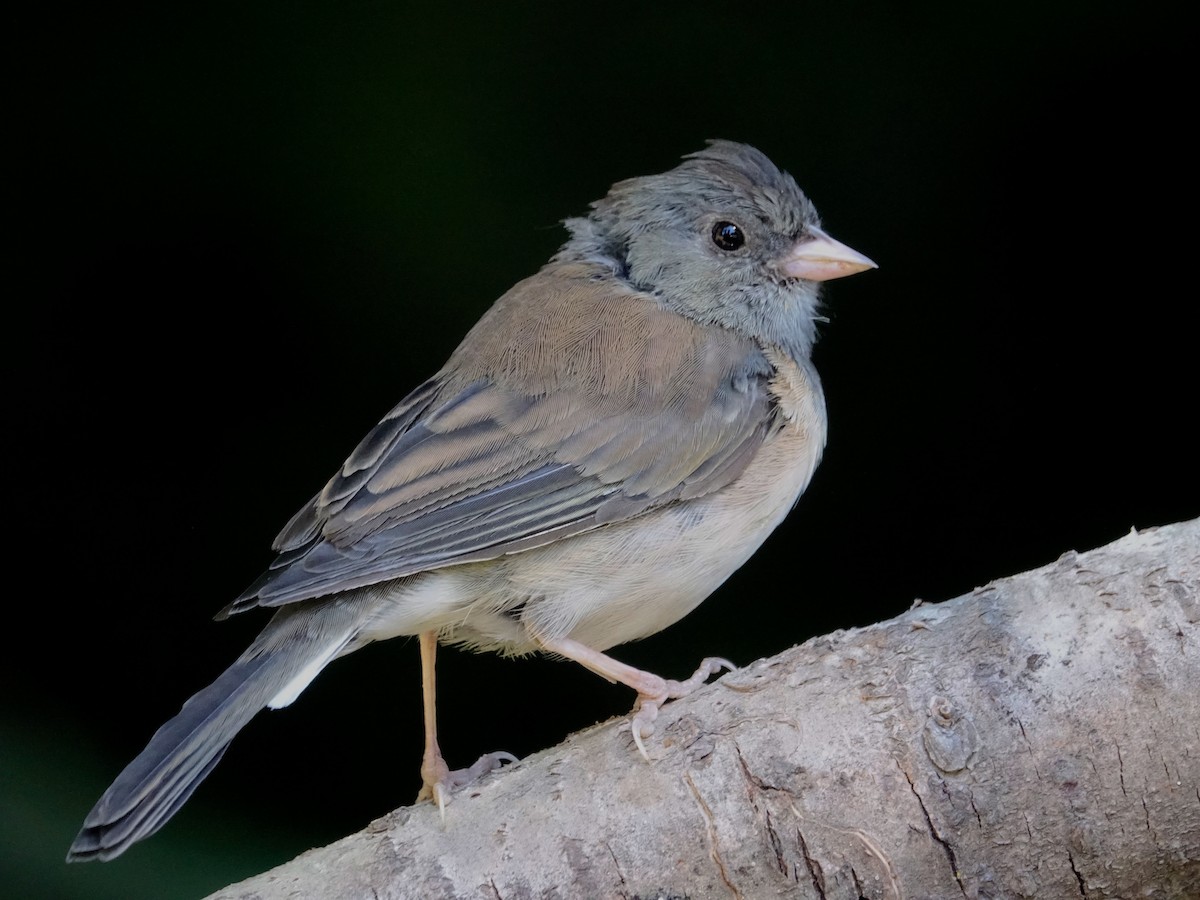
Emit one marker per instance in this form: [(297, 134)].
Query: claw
[(441, 781), (708, 667), (642, 722)]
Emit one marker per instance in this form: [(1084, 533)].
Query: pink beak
[(820, 258)]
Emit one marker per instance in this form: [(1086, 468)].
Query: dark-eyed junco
[(616, 436)]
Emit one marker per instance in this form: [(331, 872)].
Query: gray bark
[(1039, 737)]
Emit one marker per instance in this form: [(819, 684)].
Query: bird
[(614, 438)]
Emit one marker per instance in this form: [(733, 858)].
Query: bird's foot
[(660, 690), (440, 780)]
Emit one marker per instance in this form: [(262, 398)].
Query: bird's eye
[(728, 236)]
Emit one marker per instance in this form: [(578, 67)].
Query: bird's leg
[(652, 690), (438, 778), (434, 771)]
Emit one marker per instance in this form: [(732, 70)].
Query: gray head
[(725, 238)]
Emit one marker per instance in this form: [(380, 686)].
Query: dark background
[(242, 233)]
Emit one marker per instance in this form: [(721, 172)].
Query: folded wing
[(586, 405)]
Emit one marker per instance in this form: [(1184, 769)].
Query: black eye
[(728, 236)]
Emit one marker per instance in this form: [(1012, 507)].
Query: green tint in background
[(242, 233)]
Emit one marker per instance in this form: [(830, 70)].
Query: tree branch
[(1039, 737)]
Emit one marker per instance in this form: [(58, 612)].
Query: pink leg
[(438, 777), (652, 690)]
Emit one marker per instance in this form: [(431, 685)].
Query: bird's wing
[(574, 403)]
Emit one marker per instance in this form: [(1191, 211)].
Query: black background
[(242, 233)]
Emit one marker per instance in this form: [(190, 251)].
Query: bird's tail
[(292, 649)]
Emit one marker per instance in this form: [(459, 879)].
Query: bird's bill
[(819, 257)]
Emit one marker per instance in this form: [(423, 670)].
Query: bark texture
[(1039, 737)]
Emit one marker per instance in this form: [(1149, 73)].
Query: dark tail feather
[(182, 752)]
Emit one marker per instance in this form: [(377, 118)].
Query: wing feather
[(573, 404)]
